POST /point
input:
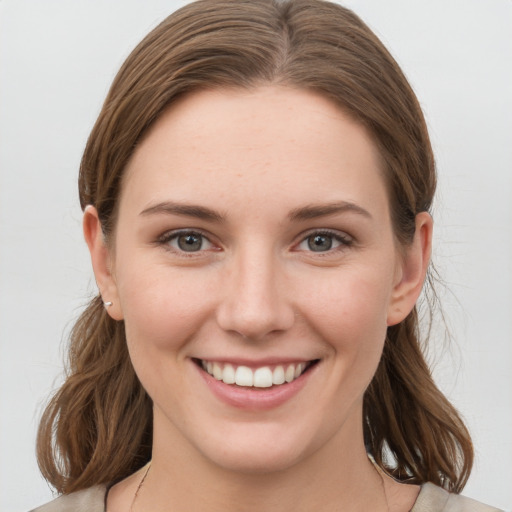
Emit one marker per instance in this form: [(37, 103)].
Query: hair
[(97, 428)]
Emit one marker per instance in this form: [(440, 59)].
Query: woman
[(256, 194)]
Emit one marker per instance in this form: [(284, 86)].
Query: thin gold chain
[(139, 487), (379, 472)]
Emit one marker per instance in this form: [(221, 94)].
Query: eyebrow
[(321, 210), (298, 214), (188, 210)]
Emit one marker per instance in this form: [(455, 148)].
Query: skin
[(256, 290)]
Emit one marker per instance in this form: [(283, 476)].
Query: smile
[(260, 377)]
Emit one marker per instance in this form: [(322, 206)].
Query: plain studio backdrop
[(57, 60)]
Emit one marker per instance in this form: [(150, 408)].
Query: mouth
[(258, 377)]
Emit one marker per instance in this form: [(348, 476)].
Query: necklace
[(139, 487), (381, 474), (377, 468), (379, 471)]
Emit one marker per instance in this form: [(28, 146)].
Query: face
[(255, 267)]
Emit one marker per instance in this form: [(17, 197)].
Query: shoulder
[(435, 499), (88, 500)]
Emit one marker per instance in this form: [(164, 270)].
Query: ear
[(101, 261), (412, 271)]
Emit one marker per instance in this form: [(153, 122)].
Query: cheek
[(350, 309), (349, 313), (163, 310), (162, 306)]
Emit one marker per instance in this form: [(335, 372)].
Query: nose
[(255, 301)]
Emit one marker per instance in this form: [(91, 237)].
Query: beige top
[(430, 499)]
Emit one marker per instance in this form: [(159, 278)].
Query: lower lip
[(250, 398)]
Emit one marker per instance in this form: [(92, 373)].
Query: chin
[(255, 460), (259, 449)]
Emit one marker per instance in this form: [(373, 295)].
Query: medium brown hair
[(98, 426)]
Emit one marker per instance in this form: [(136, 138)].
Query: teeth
[(217, 371), (243, 376), (228, 375), (278, 375), (263, 377)]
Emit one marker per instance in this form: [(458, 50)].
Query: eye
[(186, 241), (324, 241)]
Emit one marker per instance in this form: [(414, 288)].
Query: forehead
[(250, 145)]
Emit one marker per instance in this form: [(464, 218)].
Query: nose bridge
[(255, 302)]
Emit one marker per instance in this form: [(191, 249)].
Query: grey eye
[(185, 241), (325, 241), (319, 243), (189, 242)]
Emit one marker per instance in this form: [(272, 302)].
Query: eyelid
[(344, 238), (165, 238)]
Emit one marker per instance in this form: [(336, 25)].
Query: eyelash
[(166, 239), (343, 239)]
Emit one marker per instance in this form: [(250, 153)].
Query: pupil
[(189, 242), (320, 243)]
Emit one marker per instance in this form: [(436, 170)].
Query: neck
[(337, 476)]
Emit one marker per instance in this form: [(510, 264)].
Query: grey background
[(57, 59)]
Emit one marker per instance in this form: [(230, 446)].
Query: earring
[(107, 304)]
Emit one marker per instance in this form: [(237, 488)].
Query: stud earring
[(107, 304)]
